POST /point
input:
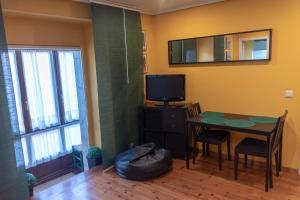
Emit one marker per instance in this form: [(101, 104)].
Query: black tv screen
[(165, 87)]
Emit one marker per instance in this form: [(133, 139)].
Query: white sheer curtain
[(25, 151), (17, 92), (68, 82), (46, 146), (72, 136), (39, 87), (39, 82), (70, 99), (14, 73)]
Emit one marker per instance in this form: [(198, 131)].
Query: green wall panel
[(120, 89), (135, 92)]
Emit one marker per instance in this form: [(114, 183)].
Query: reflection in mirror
[(254, 45), (176, 52), (189, 51), (205, 48)]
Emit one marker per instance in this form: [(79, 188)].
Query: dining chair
[(261, 148), (208, 136)]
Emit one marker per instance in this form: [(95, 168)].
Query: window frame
[(58, 95)]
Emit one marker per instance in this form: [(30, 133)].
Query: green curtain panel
[(12, 171), (118, 52), (135, 90)]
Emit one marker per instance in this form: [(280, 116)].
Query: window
[(39, 83), (47, 101)]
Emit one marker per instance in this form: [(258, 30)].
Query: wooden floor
[(202, 181)]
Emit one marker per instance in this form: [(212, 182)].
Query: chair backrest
[(278, 131), (190, 111), (197, 109), (193, 111)]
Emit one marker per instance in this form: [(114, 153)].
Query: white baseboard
[(108, 169)]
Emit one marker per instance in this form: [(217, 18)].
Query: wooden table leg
[(187, 146)]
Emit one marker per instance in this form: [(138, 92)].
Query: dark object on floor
[(94, 157), (77, 159), (143, 162), (30, 189), (31, 181), (262, 148), (94, 162), (208, 136)]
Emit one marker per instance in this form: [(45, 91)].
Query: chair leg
[(228, 148), (280, 154), (267, 174), (203, 149), (271, 173), (207, 149), (194, 149), (220, 156), (236, 163), (277, 163), (246, 161)]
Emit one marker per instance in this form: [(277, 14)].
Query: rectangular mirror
[(233, 47)]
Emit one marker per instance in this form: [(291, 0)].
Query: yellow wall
[(247, 88), (93, 107), (148, 28), (58, 8), (57, 23)]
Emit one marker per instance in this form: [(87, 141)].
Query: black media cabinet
[(165, 126)]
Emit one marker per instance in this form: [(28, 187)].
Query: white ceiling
[(154, 7)]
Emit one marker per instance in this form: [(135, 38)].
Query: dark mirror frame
[(221, 61)]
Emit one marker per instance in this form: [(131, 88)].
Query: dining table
[(251, 124)]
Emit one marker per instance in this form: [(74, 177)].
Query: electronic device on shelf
[(166, 88)]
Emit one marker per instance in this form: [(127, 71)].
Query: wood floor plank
[(203, 181)]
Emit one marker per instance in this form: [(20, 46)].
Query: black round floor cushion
[(143, 162)]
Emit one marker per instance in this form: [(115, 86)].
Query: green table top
[(214, 120), (241, 123), (212, 114), (246, 123), (263, 119)]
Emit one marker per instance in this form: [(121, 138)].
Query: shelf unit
[(164, 126)]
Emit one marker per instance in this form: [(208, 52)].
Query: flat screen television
[(165, 88)]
